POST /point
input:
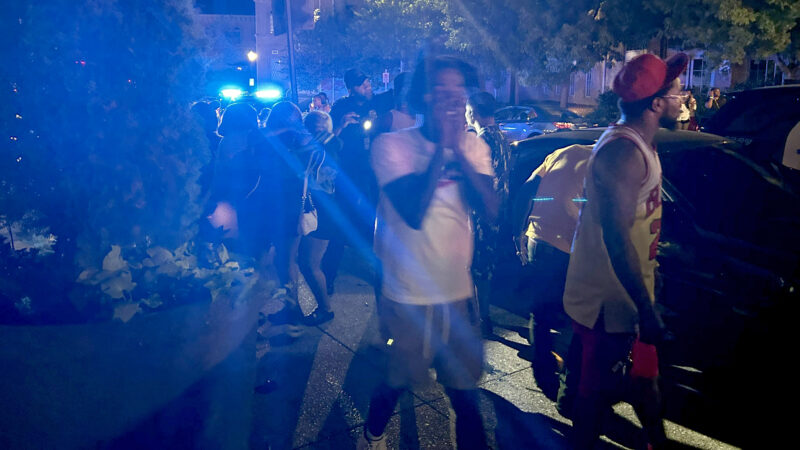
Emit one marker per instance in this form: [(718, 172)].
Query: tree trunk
[(512, 87), (739, 73), (564, 98)]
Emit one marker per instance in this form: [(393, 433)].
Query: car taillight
[(564, 125)]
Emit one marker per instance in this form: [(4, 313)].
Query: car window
[(730, 197), (504, 114), (548, 112), (758, 116), (515, 114), (522, 114)]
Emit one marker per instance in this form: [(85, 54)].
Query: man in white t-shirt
[(430, 178)]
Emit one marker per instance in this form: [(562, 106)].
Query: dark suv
[(730, 263), (762, 120)]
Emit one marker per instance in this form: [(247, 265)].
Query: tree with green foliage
[(549, 40), (538, 41), (728, 29), (381, 34)]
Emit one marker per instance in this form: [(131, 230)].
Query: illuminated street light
[(252, 56)]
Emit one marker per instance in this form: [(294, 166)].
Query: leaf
[(222, 254), (116, 286), (126, 311), (113, 260), (169, 269), (153, 301), (87, 274), (158, 256)]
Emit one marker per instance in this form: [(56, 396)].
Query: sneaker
[(368, 442), (318, 317)]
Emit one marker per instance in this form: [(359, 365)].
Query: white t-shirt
[(430, 265), (684, 114)]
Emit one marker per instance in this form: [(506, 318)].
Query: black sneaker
[(318, 317)]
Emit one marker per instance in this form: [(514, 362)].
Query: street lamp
[(252, 56)]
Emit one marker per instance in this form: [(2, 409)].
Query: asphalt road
[(321, 382)]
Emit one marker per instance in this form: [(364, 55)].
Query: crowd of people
[(416, 181)]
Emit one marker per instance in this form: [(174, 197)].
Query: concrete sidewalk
[(324, 378)]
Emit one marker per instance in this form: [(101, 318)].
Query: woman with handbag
[(298, 157), (321, 176)]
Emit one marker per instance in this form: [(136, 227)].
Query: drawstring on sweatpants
[(426, 343), (446, 324), (428, 333)]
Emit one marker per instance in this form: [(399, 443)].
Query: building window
[(572, 85), (698, 69), (587, 90), (765, 73), (234, 36)]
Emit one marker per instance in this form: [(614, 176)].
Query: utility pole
[(264, 61), (290, 43)]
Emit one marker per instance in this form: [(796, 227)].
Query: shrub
[(99, 170)]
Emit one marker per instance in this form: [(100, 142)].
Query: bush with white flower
[(99, 169)]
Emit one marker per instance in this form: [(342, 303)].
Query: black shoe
[(318, 317)]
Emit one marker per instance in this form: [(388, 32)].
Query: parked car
[(729, 260), (766, 121), (521, 122), (554, 109)]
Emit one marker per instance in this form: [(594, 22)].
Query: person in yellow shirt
[(544, 216)]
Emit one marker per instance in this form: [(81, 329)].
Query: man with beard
[(353, 117), (609, 293), (356, 189)]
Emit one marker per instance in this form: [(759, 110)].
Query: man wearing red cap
[(609, 293)]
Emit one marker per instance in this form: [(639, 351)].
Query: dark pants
[(550, 329), (444, 337), (605, 380), (469, 424)]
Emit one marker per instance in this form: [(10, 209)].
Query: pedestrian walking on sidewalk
[(430, 178), (610, 287)]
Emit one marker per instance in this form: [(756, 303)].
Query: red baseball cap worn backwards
[(647, 74)]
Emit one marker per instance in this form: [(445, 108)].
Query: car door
[(729, 242)]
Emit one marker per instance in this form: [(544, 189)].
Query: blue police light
[(231, 93), (269, 94)]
